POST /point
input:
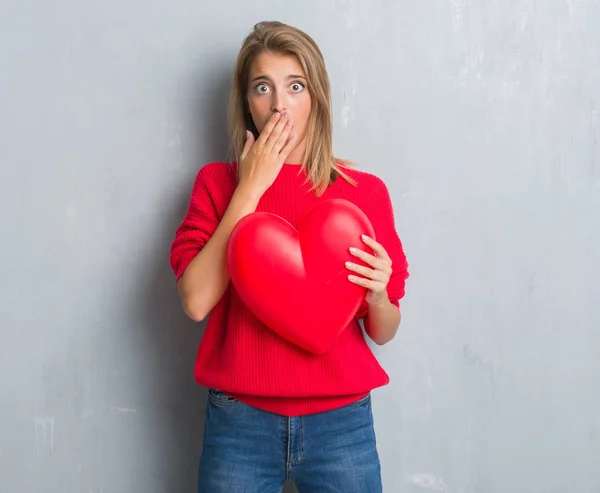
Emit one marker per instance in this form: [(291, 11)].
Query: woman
[(276, 411)]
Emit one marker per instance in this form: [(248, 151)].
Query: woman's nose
[(278, 103)]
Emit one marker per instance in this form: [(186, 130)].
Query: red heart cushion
[(296, 281)]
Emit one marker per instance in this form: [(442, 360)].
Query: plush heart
[(296, 281)]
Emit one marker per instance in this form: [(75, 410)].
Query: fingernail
[(353, 250), (277, 115), (365, 237), (348, 264)]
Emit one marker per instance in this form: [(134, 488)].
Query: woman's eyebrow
[(266, 77)]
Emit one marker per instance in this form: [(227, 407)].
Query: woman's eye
[(297, 86), (262, 88)]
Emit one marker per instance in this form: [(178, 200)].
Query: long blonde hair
[(319, 163)]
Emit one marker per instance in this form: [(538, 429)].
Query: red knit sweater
[(241, 356)]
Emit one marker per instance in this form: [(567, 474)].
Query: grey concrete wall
[(483, 118)]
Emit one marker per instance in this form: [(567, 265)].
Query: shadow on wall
[(173, 338)]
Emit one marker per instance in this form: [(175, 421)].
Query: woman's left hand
[(376, 275)]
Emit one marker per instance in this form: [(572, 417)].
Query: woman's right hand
[(261, 160)]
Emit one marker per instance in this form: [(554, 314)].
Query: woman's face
[(278, 83)]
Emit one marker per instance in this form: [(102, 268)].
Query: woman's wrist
[(378, 303), (246, 194)]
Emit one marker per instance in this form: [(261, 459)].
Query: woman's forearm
[(382, 322), (206, 277)]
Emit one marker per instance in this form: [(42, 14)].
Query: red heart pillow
[(296, 281)]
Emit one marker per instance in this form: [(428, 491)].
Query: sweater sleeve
[(383, 220), (198, 225)]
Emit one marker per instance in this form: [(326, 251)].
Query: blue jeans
[(247, 450)]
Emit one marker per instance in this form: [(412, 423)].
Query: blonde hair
[(319, 163)]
